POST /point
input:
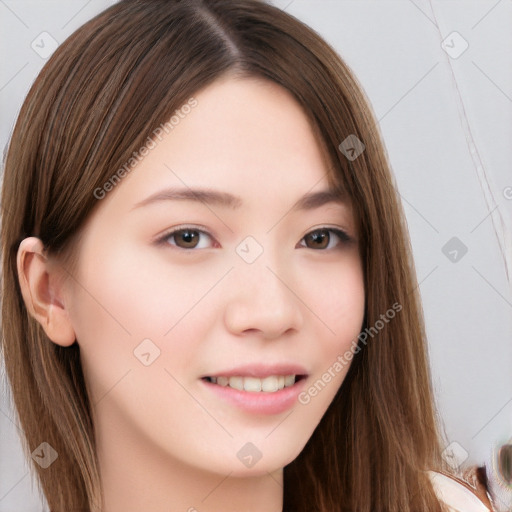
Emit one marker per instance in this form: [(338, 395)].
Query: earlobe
[(41, 292)]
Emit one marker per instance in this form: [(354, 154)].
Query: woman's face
[(259, 286)]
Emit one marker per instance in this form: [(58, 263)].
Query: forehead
[(245, 136)]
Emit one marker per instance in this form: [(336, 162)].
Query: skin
[(165, 441)]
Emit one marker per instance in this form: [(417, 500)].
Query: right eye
[(186, 238)]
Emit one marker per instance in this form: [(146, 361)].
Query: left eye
[(325, 238)]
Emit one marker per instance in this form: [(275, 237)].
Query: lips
[(258, 389)]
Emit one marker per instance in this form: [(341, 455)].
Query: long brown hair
[(98, 98)]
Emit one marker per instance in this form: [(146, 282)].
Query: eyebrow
[(308, 201)]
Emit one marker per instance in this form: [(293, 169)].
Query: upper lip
[(261, 370)]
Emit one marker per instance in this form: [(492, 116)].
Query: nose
[(262, 301)]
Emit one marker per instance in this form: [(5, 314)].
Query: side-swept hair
[(97, 99)]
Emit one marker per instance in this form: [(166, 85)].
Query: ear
[(40, 287)]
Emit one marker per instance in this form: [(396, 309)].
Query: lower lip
[(259, 402)]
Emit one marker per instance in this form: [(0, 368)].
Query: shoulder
[(457, 494)]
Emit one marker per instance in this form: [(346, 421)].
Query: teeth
[(236, 383), (222, 381), (251, 384), (254, 384), (270, 383), (289, 380)]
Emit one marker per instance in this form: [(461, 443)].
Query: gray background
[(446, 121)]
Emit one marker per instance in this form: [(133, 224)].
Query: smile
[(268, 395), (268, 384)]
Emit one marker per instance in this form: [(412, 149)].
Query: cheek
[(143, 294), (339, 307), (125, 306), (335, 295)]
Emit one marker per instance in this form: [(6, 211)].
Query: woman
[(209, 301)]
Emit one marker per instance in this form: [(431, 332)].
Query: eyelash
[(163, 240)]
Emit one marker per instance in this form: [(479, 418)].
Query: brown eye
[(318, 239), (325, 238), (188, 238)]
